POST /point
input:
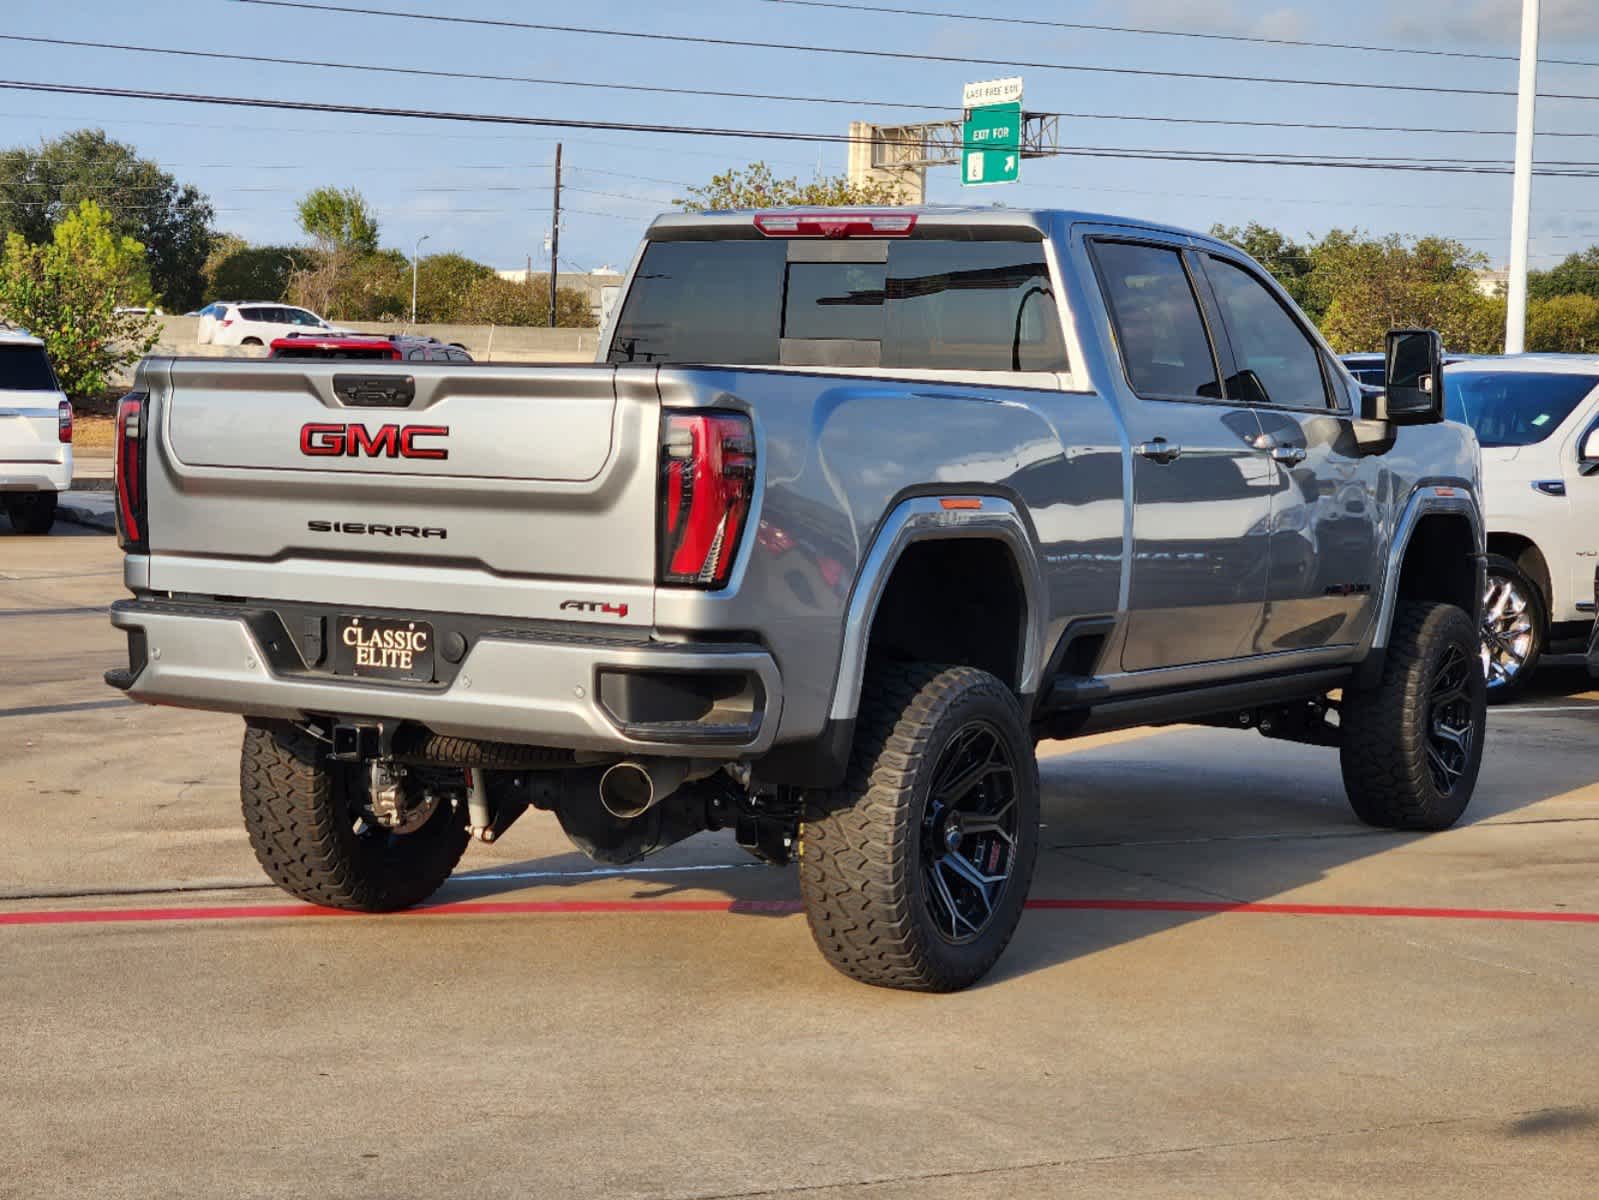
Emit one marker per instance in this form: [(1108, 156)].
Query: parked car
[(394, 347), (256, 323), (1537, 418), (35, 434), (854, 507)]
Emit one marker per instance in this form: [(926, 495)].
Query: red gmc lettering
[(388, 441)]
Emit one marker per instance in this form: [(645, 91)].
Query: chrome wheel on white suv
[(1512, 628)]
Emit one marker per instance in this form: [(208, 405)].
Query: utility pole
[(1521, 200), (555, 233)]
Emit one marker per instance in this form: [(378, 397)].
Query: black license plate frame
[(394, 649)]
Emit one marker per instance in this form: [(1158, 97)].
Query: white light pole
[(1521, 199), (416, 256)]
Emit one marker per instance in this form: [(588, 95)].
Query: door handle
[(1159, 450), (1289, 454)]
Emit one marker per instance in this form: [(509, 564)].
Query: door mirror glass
[(1414, 377), (1588, 455)]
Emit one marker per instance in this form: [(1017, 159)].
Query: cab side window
[(1276, 362), (1165, 349)]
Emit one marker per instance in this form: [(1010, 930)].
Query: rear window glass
[(25, 369), (1162, 337), (959, 306), (703, 302)]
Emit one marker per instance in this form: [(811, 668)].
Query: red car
[(394, 347)]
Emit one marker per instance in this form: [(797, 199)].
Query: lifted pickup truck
[(855, 508)]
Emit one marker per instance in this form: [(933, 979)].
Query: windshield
[(1513, 408)]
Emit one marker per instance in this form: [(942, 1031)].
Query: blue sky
[(484, 190)]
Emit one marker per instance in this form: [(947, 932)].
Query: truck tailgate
[(518, 491)]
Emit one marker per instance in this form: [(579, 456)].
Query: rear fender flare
[(925, 518)]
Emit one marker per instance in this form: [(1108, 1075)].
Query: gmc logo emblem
[(353, 441)]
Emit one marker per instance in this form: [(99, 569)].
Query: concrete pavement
[(1140, 1044)]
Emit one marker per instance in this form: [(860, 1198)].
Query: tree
[(1288, 261), (1577, 275), (339, 219), (39, 187), (238, 271), (496, 301), (756, 187), (444, 281), (1365, 286), (68, 291), (1564, 324)]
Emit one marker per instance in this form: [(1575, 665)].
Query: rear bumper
[(42, 476), (544, 690)]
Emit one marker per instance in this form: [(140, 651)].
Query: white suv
[(1537, 418), (35, 434), (255, 323)]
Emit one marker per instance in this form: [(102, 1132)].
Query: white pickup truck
[(35, 434)]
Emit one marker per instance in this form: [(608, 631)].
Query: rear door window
[(971, 306), (1165, 349), (267, 316), (25, 369), (1274, 359)]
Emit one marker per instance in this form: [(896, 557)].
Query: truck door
[(1324, 540), (1201, 489)]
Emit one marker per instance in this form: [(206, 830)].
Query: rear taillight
[(133, 535), (707, 480), (225, 322), (64, 423)]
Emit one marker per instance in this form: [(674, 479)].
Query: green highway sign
[(991, 144)]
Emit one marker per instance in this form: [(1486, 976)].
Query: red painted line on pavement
[(491, 908)]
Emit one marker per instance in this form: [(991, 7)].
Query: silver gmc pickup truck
[(854, 508)]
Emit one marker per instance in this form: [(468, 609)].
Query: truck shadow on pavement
[(1184, 815)]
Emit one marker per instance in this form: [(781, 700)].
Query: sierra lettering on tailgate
[(334, 440)]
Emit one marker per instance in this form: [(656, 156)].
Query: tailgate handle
[(375, 391)]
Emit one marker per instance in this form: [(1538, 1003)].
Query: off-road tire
[(32, 514), (300, 810), (860, 845), (1386, 727), (1537, 611)]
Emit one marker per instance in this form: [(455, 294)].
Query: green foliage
[(239, 271), (1577, 275), (1568, 323), (444, 281), (1365, 286), (172, 221), (496, 301), (67, 291), (339, 219), (756, 187)]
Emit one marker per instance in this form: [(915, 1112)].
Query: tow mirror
[(1413, 379), (1588, 454)]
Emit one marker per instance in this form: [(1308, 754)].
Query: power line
[(1257, 39), (905, 55), (1449, 166), (854, 102), (427, 72)]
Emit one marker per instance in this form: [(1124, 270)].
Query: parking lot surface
[(1226, 986)]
